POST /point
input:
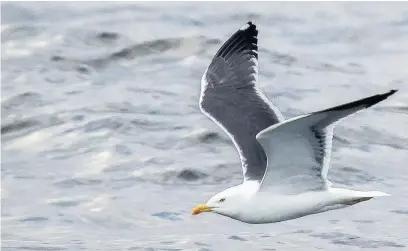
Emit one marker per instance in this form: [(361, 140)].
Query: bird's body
[(284, 162), (260, 207)]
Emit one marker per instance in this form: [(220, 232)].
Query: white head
[(230, 202)]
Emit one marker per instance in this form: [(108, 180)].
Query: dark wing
[(231, 98), (299, 149)]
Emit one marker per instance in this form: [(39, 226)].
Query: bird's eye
[(222, 200)]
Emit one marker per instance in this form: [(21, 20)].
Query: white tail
[(351, 197), (364, 196), (374, 194)]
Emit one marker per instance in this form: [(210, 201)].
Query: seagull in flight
[(284, 162)]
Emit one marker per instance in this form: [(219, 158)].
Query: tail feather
[(374, 194), (364, 196)]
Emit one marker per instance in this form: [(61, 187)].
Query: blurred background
[(104, 146)]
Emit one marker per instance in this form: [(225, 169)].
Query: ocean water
[(104, 146)]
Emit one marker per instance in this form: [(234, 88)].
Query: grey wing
[(299, 149), (231, 98)]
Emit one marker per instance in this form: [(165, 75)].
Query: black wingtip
[(244, 39), (391, 92), (365, 102), (380, 97), (249, 29), (248, 26)]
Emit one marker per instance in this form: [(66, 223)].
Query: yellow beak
[(200, 209)]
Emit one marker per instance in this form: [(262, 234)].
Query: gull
[(284, 162)]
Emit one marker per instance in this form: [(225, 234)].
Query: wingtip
[(380, 97), (250, 23), (383, 96), (365, 102), (248, 26), (243, 40), (392, 91)]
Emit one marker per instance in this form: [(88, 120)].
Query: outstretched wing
[(231, 98), (299, 149)]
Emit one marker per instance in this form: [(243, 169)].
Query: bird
[(284, 161)]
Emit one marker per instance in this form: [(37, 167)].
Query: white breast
[(270, 208)]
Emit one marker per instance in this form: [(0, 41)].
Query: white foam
[(97, 164), (189, 61), (31, 142), (99, 203)]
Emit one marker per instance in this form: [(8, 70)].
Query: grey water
[(104, 146)]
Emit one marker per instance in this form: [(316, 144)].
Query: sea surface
[(104, 146)]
